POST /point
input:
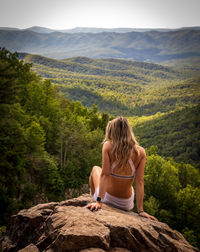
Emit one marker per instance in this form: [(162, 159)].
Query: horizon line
[(92, 27)]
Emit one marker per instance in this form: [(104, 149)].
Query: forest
[(119, 86), (161, 102), (50, 143), (176, 134)]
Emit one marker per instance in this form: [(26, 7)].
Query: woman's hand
[(94, 206), (148, 216)]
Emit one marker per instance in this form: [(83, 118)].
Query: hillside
[(152, 46), (190, 65), (120, 86), (176, 134), (162, 95)]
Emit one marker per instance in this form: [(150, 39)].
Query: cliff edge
[(70, 226)]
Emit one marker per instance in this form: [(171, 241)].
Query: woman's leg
[(94, 178)]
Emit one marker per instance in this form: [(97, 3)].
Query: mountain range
[(147, 45), (41, 29)]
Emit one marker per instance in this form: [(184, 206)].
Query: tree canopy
[(49, 144)]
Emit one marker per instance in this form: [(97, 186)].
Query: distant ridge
[(150, 46), (9, 28), (40, 29)]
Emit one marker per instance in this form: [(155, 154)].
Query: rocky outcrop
[(70, 226)]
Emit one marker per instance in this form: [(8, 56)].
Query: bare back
[(120, 187)]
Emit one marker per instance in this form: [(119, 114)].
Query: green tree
[(188, 175), (188, 213), (161, 181)]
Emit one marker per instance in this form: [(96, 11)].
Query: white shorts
[(122, 203)]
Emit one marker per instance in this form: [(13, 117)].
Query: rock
[(29, 248), (92, 250), (70, 226)]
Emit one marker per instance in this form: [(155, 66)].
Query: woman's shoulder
[(139, 155), (107, 145), (141, 152)]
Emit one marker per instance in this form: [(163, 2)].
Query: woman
[(122, 159)]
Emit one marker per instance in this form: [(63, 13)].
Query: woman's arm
[(139, 181), (139, 186)]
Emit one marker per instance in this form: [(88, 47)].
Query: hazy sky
[(61, 14)]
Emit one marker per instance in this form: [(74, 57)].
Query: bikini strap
[(113, 166), (131, 164)]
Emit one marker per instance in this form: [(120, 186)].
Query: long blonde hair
[(120, 133)]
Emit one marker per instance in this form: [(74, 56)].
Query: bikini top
[(123, 176)]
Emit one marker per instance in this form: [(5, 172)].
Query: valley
[(120, 86), (161, 102)]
